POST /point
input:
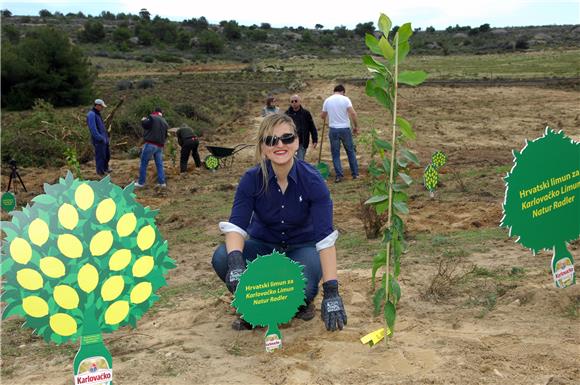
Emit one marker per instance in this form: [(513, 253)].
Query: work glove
[(236, 266), (333, 313)]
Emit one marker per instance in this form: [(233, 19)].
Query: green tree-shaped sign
[(542, 200), (84, 258), (269, 293)]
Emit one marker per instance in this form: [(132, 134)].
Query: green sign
[(8, 201), (269, 293), (542, 200), (84, 259)]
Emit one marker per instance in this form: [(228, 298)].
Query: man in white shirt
[(340, 112)]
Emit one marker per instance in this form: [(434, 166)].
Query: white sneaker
[(139, 185), (162, 185)]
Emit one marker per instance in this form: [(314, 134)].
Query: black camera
[(12, 163)]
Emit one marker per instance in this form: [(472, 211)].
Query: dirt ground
[(497, 319)]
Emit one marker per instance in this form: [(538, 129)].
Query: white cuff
[(227, 227), (328, 241)]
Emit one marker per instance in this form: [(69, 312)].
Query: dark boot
[(240, 324), (305, 312)]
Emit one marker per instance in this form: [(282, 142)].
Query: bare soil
[(494, 319)]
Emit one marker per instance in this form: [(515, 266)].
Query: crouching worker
[(283, 204), (189, 143)]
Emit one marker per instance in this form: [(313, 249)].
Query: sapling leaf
[(412, 78), (390, 314), (386, 49), (401, 207), (381, 207), (403, 51), (373, 43), (400, 197), (376, 199), (373, 65), (406, 178), (383, 144), (385, 24), (378, 299), (408, 154), (378, 261), (405, 31), (395, 290)]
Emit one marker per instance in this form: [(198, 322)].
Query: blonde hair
[(266, 129)]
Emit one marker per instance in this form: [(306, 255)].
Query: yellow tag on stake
[(375, 337)]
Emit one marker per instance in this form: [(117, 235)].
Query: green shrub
[(42, 137)]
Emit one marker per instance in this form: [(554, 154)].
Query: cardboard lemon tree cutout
[(269, 293), (389, 186), (542, 200), (84, 259)]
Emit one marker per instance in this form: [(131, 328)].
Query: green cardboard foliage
[(542, 200), (83, 259), (269, 293)]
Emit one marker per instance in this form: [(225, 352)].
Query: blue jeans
[(301, 153), (304, 253), (344, 135), (102, 157), (149, 151)]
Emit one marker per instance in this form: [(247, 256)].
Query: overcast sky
[(421, 13)]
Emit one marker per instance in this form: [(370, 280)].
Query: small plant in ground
[(391, 180), (72, 161)]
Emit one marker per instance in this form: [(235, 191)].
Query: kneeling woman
[(283, 204)]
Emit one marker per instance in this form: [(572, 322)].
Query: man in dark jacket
[(99, 137), (304, 126), (189, 142), (154, 134)]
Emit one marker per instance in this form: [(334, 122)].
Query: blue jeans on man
[(151, 151), (344, 135), (304, 253), (102, 157)]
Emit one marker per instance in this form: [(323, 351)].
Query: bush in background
[(45, 65), (41, 138)]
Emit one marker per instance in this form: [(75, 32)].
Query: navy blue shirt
[(302, 214)]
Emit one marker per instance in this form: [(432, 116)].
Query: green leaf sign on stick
[(542, 200), (84, 259), (269, 293)]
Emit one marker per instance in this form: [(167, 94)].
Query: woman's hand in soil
[(333, 313)]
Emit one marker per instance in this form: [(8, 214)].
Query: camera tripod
[(14, 174)]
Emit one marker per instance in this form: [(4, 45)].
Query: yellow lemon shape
[(143, 266), (52, 267), (38, 232), (146, 237), (106, 210), (101, 242), (20, 250), (66, 297), (84, 196), (63, 324), (68, 217), (29, 279), (141, 292), (120, 259), (126, 224), (112, 288), (70, 246), (35, 306), (117, 312), (88, 278)]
